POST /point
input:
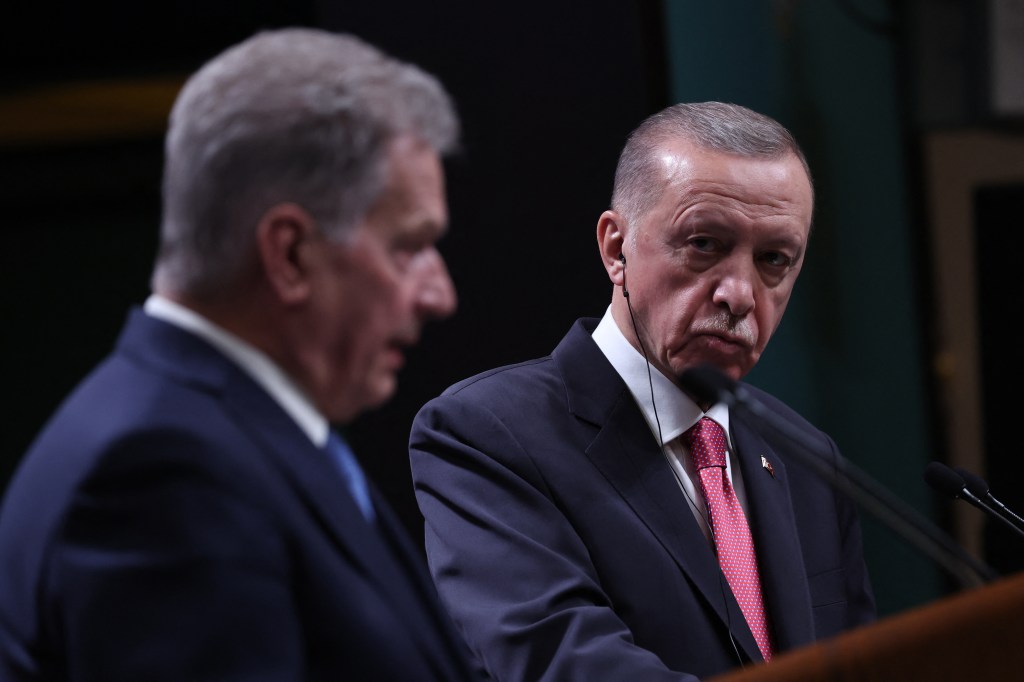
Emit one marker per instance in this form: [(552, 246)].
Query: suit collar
[(668, 410), (629, 457), (187, 359), (627, 454), (250, 359)]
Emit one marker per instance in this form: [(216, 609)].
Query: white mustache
[(727, 325)]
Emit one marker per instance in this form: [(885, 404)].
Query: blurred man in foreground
[(188, 513)]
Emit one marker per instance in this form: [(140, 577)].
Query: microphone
[(708, 384), (979, 486), (950, 483), (954, 485)]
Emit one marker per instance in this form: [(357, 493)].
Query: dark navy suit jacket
[(171, 522), (563, 547)]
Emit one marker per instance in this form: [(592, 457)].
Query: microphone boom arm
[(893, 512)]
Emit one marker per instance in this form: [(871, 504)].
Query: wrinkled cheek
[(773, 319), (676, 355), (374, 360), (344, 374)]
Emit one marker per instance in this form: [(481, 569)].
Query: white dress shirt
[(252, 361), (669, 413)]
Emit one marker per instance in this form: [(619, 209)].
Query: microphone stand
[(950, 483), (979, 487), (711, 385)]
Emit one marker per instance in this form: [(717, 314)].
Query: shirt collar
[(676, 411), (284, 391)]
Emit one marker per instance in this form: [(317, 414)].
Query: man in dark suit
[(188, 513), (570, 528)]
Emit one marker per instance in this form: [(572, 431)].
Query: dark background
[(547, 92), (546, 101), (998, 245)]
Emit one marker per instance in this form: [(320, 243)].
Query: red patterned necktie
[(729, 528)]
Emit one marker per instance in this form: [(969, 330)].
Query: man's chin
[(369, 398), (732, 370), (381, 391)]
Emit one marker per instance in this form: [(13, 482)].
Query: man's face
[(380, 286), (713, 263)]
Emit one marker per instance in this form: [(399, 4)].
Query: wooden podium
[(975, 635)]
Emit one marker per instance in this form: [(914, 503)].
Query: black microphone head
[(708, 384), (975, 483), (943, 479)]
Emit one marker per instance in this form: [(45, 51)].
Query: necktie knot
[(707, 443)]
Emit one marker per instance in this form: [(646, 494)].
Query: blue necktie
[(342, 455)]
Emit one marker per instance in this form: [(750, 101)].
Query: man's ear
[(611, 239), (285, 237)]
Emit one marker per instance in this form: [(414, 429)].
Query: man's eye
[(776, 259), (705, 244), (408, 254), (403, 256)]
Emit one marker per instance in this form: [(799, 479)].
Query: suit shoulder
[(519, 372), (517, 393)]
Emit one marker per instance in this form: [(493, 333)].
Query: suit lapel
[(773, 526), (384, 561), (628, 456), (376, 552)]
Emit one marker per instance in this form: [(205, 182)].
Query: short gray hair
[(717, 126), (291, 115)]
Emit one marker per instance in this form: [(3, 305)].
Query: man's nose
[(435, 296), (735, 288)]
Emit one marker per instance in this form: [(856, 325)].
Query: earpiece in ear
[(622, 257)]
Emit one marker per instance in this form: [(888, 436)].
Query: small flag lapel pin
[(767, 466)]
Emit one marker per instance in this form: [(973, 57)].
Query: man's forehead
[(680, 159), (673, 162), (413, 199), (676, 154)]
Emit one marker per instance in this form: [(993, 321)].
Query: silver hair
[(291, 115), (717, 126)]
